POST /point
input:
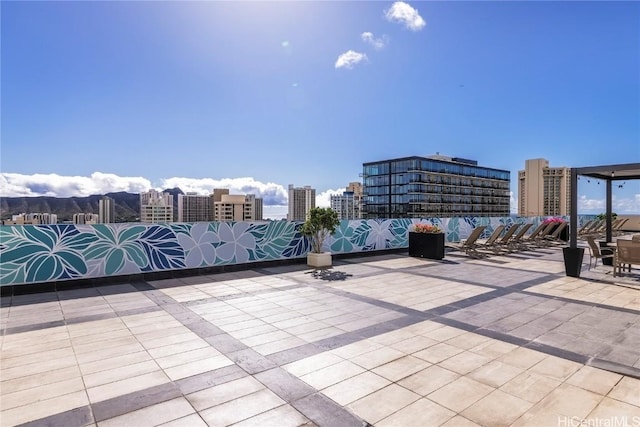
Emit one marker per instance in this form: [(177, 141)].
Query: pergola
[(607, 173)]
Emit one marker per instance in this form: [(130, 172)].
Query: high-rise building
[(301, 201), (156, 207), (438, 186), (86, 218), (543, 190), (348, 205), (233, 207), (193, 207), (256, 207), (32, 218), (106, 210)]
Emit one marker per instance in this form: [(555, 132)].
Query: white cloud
[(53, 185), (350, 59), (377, 43), (619, 205), (18, 185), (513, 202), (323, 200), (402, 13)]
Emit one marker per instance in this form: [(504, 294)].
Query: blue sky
[(109, 96)]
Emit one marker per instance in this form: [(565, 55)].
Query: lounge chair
[(536, 236), (493, 238), (516, 241), (554, 237), (585, 227), (596, 252), (593, 227), (469, 245), (503, 242), (617, 228)]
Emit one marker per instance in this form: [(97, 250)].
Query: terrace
[(385, 340)]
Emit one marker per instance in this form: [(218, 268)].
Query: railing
[(47, 253)]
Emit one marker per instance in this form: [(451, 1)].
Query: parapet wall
[(49, 253)]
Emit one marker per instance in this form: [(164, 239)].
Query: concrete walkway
[(383, 340)]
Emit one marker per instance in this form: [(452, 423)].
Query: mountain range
[(127, 205)]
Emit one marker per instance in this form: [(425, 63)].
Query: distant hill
[(127, 205)]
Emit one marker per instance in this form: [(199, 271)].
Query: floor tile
[(332, 374), (422, 412), (356, 387), (401, 368), (152, 415), (530, 386), (241, 409), (223, 393), (428, 380), (383, 403), (497, 409), (460, 394), (595, 380), (627, 390)]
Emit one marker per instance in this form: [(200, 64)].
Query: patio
[(385, 340)]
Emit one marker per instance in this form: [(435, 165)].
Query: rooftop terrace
[(385, 340)]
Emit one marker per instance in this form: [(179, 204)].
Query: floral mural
[(46, 253)]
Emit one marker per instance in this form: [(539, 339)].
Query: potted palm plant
[(426, 241), (321, 223)]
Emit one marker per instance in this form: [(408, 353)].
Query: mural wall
[(45, 253)]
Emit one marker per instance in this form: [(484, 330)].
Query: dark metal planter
[(573, 260), (426, 245)]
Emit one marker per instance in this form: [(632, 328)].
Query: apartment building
[(32, 219), (106, 210), (301, 201), (349, 204), (544, 190), (193, 207), (233, 207), (438, 186), (156, 207), (86, 218)]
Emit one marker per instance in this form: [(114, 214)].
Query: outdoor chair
[(503, 242), (595, 226), (554, 237), (627, 253), (516, 241), (596, 253), (585, 227), (525, 242), (469, 245), (617, 227), (490, 242), (540, 239)]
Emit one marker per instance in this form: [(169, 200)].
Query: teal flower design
[(118, 245), (342, 237), (41, 253)]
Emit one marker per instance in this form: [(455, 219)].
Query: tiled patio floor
[(385, 340)]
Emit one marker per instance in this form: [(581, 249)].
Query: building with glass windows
[(544, 190), (301, 201), (156, 207), (437, 186)]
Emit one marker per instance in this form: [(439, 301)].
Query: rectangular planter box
[(426, 245)]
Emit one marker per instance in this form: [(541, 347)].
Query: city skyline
[(253, 96)]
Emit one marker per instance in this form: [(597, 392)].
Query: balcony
[(381, 338)]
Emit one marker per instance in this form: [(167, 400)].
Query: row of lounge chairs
[(514, 239), (598, 227)]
